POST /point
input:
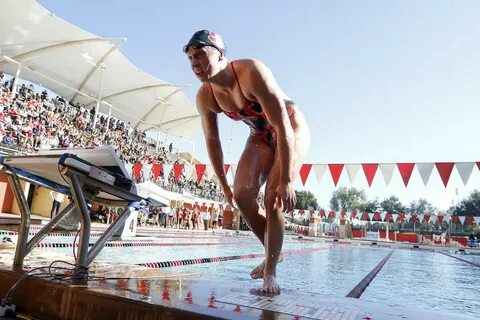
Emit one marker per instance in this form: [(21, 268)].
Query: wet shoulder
[(205, 101)]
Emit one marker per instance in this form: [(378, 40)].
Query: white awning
[(83, 68)]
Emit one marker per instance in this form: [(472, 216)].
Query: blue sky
[(379, 81)]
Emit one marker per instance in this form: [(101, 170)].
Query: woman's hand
[(286, 198), (227, 191)]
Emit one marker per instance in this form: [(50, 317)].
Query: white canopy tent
[(83, 68)]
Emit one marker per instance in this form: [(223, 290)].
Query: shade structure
[(84, 68)]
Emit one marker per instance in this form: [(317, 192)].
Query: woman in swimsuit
[(246, 90)]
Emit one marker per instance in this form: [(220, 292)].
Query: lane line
[(365, 282)]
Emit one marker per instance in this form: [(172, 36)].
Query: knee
[(244, 197), (270, 199)]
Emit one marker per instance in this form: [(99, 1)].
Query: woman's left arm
[(269, 95)]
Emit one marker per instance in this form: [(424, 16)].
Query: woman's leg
[(274, 216), (253, 169)]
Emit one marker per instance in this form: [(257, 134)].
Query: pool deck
[(169, 294)]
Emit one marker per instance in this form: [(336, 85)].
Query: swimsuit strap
[(238, 82)]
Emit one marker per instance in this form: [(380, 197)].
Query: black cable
[(74, 241)]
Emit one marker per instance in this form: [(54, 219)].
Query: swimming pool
[(419, 279)]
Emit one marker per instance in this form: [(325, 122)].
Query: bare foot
[(257, 272), (270, 284)]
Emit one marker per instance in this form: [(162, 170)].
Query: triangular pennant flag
[(335, 171), (156, 168), (440, 219), (387, 172), (226, 167), (413, 217), (370, 169), (465, 170), (365, 216), (478, 165), (233, 170), (462, 219), (177, 170), (129, 168), (425, 170), (146, 169), (167, 168), (445, 170), (388, 217), (395, 217), (210, 172), (136, 170), (337, 215), (476, 219), (319, 170), (405, 170), (469, 219), (188, 170), (322, 214), (427, 217), (407, 217), (401, 217), (200, 169), (420, 217), (349, 214), (433, 218), (305, 171), (382, 215), (352, 171), (370, 216), (354, 214)]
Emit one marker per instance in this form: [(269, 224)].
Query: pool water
[(418, 279)]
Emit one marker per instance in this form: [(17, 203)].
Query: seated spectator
[(8, 139)]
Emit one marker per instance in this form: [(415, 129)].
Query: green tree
[(421, 206), (392, 205), (469, 206), (345, 199), (305, 200), (372, 206)]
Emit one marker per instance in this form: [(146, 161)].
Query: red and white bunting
[(349, 214), (319, 170), (370, 169), (433, 218), (200, 170), (370, 216), (420, 217), (233, 170), (226, 167), (177, 170), (405, 170), (387, 172), (156, 169), (137, 167), (335, 170), (210, 172), (189, 170), (304, 172), (462, 219), (352, 171), (146, 169), (445, 170), (383, 215), (476, 219), (464, 170), (478, 165), (408, 216), (167, 168), (129, 168), (425, 170), (337, 215), (395, 217), (440, 218)]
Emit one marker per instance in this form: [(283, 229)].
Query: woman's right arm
[(212, 138)]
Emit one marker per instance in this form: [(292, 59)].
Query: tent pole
[(15, 82), (102, 68)]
